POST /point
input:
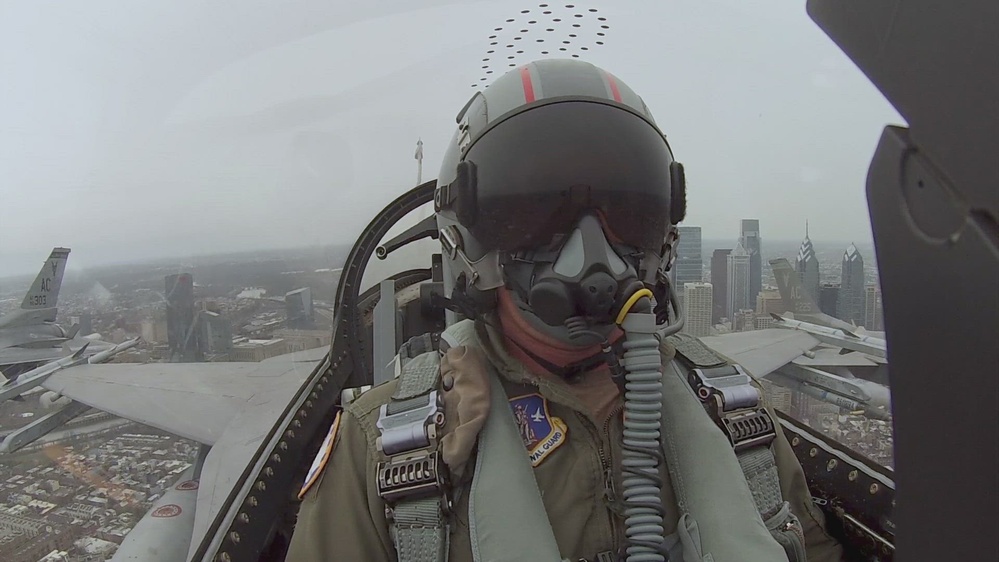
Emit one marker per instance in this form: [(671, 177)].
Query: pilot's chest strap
[(413, 479), (733, 403), (506, 517)]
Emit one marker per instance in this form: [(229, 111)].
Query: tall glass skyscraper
[(749, 239), (719, 283), (807, 265), (689, 267), (852, 298), (739, 283)]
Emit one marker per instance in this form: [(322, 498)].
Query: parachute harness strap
[(643, 399), (413, 481)]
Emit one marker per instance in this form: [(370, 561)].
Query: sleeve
[(819, 545), (341, 516)]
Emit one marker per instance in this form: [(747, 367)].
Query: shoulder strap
[(733, 403), (413, 481), (506, 516)]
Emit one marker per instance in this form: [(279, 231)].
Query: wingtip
[(80, 351)]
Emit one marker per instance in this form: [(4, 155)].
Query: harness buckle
[(414, 468), (408, 425), (413, 478), (734, 405), (730, 383)]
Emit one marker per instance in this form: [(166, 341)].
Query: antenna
[(419, 161)]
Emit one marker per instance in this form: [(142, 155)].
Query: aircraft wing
[(192, 400), (230, 407), (761, 352), (18, 355), (15, 355)]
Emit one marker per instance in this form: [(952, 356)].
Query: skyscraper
[(180, 318), (829, 299), (807, 266), (749, 239), (719, 282), (739, 284), (697, 299), (873, 311), (689, 268), (851, 297), (215, 333), (298, 307)]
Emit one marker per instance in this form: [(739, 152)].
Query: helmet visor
[(537, 172)]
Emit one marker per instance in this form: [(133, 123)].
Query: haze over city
[(201, 273), (133, 143)]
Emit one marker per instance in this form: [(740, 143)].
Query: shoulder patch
[(542, 433), (322, 457)]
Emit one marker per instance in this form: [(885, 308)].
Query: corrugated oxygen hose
[(642, 485)]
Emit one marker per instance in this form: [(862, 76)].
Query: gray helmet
[(558, 184)]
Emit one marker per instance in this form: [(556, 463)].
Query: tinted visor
[(537, 172)]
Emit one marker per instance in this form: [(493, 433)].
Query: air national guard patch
[(541, 432), (322, 457)]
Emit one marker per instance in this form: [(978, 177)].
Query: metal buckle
[(730, 383), (748, 428), (413, 478), (414, 469), (734, 405), (410, 429)]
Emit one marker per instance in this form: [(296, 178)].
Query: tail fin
[(795, 297), (44, 292)]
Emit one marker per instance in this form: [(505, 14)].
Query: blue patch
[(541, 432)]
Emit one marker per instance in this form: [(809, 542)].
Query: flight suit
[(343, 518)]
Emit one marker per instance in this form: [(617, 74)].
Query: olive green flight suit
[(343, 518)]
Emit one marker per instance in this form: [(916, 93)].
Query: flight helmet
[(558, 185)]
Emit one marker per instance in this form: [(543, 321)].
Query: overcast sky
[(139, 129)]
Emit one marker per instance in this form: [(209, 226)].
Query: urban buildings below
[(776, 396), (300, 340), (698, 304), (764, 322), (719, 282), (154, 330), (739, 285), (85, 321), (749, 239), (254, 351), (744, 320), (78, 500)]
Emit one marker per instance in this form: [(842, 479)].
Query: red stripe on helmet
[(525, 78), (613, 86)]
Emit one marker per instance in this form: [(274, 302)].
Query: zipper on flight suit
[(606, 464)]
